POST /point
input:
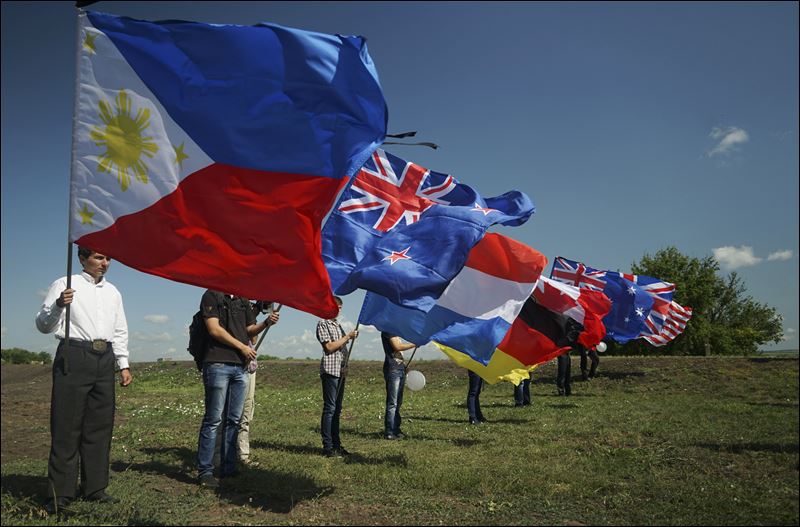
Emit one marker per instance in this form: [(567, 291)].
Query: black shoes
[(56, 506), (335, 452), (474, 421), (398, 435), (209, 481), (102, 497)]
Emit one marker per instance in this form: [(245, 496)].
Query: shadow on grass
[(354, 457), (263, 489), (29, 489), (738, 448), (465, 420), (277, 492)]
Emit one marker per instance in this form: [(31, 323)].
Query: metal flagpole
[(405, 368), (345, 361), (277, 309), (70, 212)]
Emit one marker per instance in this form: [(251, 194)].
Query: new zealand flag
[(403, 231)]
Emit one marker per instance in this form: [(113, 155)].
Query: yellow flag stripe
[(501, 367)]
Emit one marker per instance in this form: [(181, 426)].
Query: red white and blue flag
[(630, 304), (674, 323), (209, 154), (404, 232)]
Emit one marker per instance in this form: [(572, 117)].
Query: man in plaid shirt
[(334, 347)]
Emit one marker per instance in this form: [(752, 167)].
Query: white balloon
[(415, 380), (602, 347)]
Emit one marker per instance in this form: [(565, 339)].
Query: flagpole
[(345, 361), (260, 340), (412, 358), (69, 193)]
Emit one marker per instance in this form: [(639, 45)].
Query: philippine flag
[(209, 154)]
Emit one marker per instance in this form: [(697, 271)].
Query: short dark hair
[(338, 300), (84, 252)]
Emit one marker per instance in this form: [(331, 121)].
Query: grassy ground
[(651, 441)]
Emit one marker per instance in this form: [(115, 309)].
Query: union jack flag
[(403, 198), (577, 274)]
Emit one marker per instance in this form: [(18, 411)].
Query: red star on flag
[(395, 256)]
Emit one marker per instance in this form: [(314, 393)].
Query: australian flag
[(404, 232), (630, 303)]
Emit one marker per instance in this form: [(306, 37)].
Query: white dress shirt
[(96, 313)]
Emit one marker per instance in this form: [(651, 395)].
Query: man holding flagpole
[(82, 403), (332, 337)]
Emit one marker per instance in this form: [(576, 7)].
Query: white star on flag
[(485, 211)]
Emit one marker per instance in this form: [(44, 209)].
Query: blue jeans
[(522, 393), (395, 378), (473, 397), (331, 410), (223, 383)]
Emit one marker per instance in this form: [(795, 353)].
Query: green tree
[(21, 356), (723, 316)]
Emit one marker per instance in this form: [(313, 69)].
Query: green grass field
[(651, 441)]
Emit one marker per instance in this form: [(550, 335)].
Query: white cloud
[(780, 255), (152, 337), (157, 319), (728, 138), (733, 257), (3, 331), (788, 334)]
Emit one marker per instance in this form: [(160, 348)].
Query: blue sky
[(631, 126)]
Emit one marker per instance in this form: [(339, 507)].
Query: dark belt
[(98, 346)]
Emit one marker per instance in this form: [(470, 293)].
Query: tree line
[(21, 356), (725, 320)]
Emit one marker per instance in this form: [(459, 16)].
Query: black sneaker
[(101, 497), (390, 437), (474, 422), (342, 452), (329, 452), (209, 481), (399, 435), (56, 506)]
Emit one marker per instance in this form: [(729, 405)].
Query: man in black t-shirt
[(231, 323)]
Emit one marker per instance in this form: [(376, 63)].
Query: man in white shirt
[(82, 403)]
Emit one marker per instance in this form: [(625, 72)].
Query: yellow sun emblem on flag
[(124, 141)]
